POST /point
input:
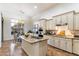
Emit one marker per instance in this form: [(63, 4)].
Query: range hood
[(62, 24)]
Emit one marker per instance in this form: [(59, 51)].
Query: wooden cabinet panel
[(69, 45), (76, 46)]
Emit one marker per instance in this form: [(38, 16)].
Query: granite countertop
[(60, 36), (74, 38), (32, 40)]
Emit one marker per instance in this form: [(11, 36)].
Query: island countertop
[(33, 40)]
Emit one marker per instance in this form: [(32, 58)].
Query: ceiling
[(24, 9)]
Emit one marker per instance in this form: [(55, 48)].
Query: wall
[(28, 24), (7, 30), (58, 9), (0, 30)]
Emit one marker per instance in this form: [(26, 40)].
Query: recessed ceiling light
[(35, 7)]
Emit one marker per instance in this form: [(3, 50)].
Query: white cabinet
[(66, 44), (51, 42), (61, 19), (53, 25), (76, 46), (70, 18), (62, 44), (47, 25), (54, 41), (76, 24), (64, 18), (69, 45), (50, 24), (42, 24), (58, 20), (57, 42)]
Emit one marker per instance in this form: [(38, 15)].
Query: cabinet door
[(58, 20), (57, 42), (62, 44), (76, 46), (64, 19), (50, 24), (43, 25), (76, 22), (69, 45), (51, 42), (53, 24), (47, 25), (70, 18)]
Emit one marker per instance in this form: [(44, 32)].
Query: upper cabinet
[(42, 24), (70, 18), (53, 24), (66, 18), (76, 22), (58, 19), (50, 24)]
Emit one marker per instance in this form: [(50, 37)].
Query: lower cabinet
[(62, 44), (76, 46), (69, 45), (54, 42), (57, 42), (51, 42)]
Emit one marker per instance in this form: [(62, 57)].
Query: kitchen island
[(34, 46)]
